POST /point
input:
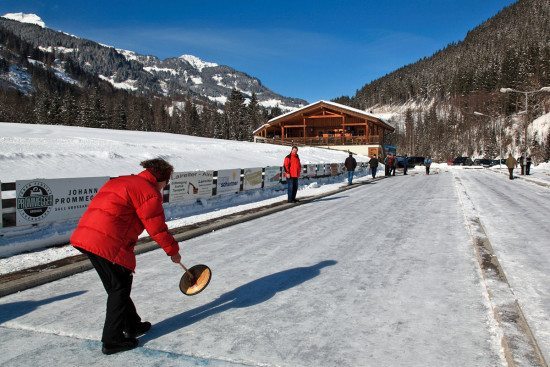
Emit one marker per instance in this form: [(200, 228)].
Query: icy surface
[(347, 280)]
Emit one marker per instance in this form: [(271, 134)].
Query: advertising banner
[(49, 200), (311, 170), (229, 180), (334, 169), (272, 176), (252, 179), (189, 186), (321, 170)]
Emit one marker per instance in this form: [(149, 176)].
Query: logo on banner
[(35, 201)]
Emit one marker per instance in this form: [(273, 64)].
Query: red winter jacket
[(117, 215), (292, 165)]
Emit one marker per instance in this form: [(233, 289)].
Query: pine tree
[(192, 119), (235, 114), (254, 117)]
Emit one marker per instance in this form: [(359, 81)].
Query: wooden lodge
[(326, 124)]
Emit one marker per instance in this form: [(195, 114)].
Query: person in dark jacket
[(373, 164), (521, 161), (427, 164), (405, 164), (511, 163), (107, 234), (293, 170), (350, 164), (528, 166)]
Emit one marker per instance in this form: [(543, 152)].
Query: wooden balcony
[(326, 139)]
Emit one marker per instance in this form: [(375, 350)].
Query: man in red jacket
[(108, 232), (293, 170)]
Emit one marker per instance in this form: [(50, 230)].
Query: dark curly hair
[(161, 169)]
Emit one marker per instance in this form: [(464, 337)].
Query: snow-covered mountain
[(25, 18), (186, 75)]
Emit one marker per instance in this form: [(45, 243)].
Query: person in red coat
[(293, 170), (107, 234)]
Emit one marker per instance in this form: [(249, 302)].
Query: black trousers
[(121, 313)]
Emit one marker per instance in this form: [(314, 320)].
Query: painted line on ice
[(30, 278), (519, 344)]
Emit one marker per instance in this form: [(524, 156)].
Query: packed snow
[(384, 274)]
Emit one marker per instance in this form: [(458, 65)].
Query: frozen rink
[(381, 275)]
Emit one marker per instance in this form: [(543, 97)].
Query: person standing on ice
[(107, 234), (373, 164), (293, 170), (427, 164), (511, 163), (350, 164)]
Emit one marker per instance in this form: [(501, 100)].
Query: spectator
[(390, 164), (350, 164), (394, 165), (293, 170), (511, 163), (107, 234), (528, 166), (427, 164), (373, 164), (405, 164), (522, 164)]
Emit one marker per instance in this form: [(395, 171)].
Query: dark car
[(462, 161), (400, 161), (486, 162), (416, 160)]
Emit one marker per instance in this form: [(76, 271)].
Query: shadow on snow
[(10, 311), (249, 294)]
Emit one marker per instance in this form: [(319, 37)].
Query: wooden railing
[(322, 140)]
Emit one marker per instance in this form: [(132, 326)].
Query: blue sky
[(313, 49)]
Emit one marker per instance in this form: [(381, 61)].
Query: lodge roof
[(330, 105)]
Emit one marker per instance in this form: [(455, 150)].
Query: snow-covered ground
[(46, 151), (49, 151), (381, 275)]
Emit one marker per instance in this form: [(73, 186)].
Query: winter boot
[(139, 329), (121, 346)]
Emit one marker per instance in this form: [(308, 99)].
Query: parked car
[(416, 160), (462, 161), (486, 162), (400, 164)]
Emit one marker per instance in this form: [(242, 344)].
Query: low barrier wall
[(30, 202)]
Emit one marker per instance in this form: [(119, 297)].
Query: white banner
[(252, 178), (189, 186), (48, 200), (321, 170), (334, 169), (229, 180), (311, 170), (1, 216), (272, 176)]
